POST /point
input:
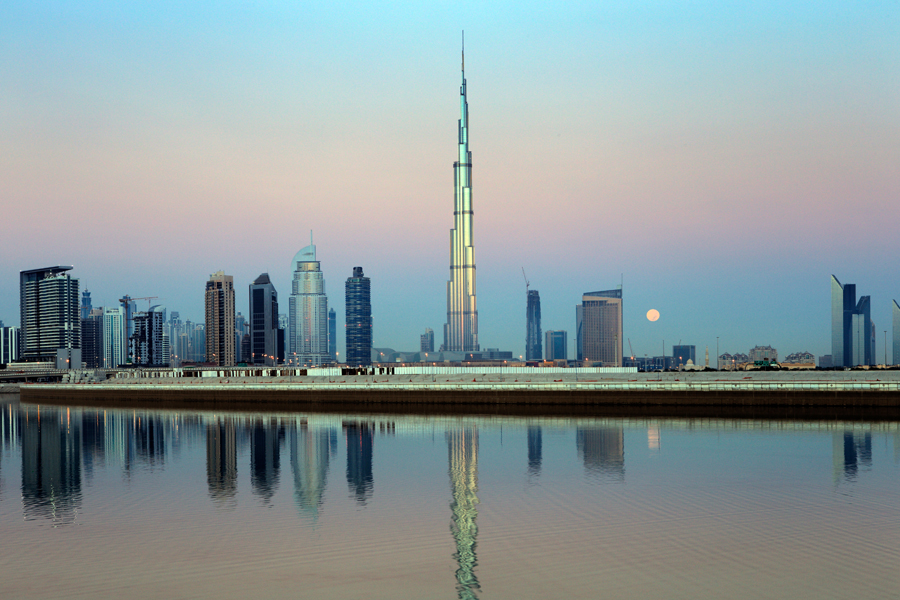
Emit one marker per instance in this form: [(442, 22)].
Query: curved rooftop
[(307, 254)]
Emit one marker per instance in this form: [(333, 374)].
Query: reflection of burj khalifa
[(463, 448), (461, 329)]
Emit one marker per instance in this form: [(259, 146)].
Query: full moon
[(652, 314)]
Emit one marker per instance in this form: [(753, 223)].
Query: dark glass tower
[(49, 307), (533, 350), (263, 322), (852, 332), (358, 304), (332, 334)]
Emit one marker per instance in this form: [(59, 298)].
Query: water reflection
[(603, 451), (462, 447), (311, 453), (265, 453), (221, 460), (850, 450), (360, 442), (535, 447), (51, 465)]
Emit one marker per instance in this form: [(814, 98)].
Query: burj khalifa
[(461, 328)]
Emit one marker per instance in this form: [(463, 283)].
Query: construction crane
[(630, 349), (526, 281)]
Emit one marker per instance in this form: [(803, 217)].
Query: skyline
[(726, 160)]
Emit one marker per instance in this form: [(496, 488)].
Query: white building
[(114, 346), (308, 314)]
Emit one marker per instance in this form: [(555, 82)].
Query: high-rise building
[(263, 322), (129, 307), (426, 340), (358, 296), (220, 319), (9, 344), (332, 335), (461, 328), (852, 331), (240, 324), (557, 345), (533, 350), (599, 326), (85, 304), (895, 349), (308, 311), (149, 347), (683, 353), (92, 338), (50, 314), (113, 337)]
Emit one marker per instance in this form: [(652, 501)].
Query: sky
[(720, 160)]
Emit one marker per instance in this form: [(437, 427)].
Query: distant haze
[(725, 158)]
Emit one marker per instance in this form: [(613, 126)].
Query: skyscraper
[(557, 345), (683, 353), (426, 340), (533, 350), (895, 347), (85, 304), (92, 337), (599, 325), (461, 328), (852, 331), (9, 344), (263, 322), (113, 337), (308, 312), (358, 296), (148, 346), (332, 335), (220, 319), (50, 314)]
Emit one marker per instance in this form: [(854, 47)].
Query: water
[(178, 504)]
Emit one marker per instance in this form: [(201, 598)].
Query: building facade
[(852, 330), (263, 322), (426, 340), (332, 335), (308, 311), (148, 342), (9, 344), (533, 350), (599, 326), (557, 346), (358, 303), (113, 337), (50, 311), (763, 353), (92, 337), (682, 353), (461, 328), (220, 320)]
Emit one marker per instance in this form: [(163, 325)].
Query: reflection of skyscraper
[(221, 460), (462, 445), (311, 452), (603, 451), (360, 440), (265, 447), (535, 446), (51, 464), (849, 450)]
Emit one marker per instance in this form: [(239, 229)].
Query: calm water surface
[(147, 504)]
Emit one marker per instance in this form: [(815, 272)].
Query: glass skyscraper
[(358, 296), (50, 311), (461, 328), (852, 330), (533, 350), (263, 322), (308, 311), (599, 327)]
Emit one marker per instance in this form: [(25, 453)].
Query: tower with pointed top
[(461, 328)]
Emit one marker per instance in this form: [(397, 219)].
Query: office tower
[(85, 304), (895, 347), (198, 343), (239, 324), (557, 345), (683, 353), (114, 342), (9, 344), (92, 338), (426, 340), (147, 342), (129, 307), (358, 297), (263, 322), (533, 350), (461, 328), (852, 331), (220, 319), (50, 315), (599, 326), (308, 311), (332, 335)]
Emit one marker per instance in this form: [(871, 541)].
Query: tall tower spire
[(461, 328)]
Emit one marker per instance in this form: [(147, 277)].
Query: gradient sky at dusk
[(724, 158)]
